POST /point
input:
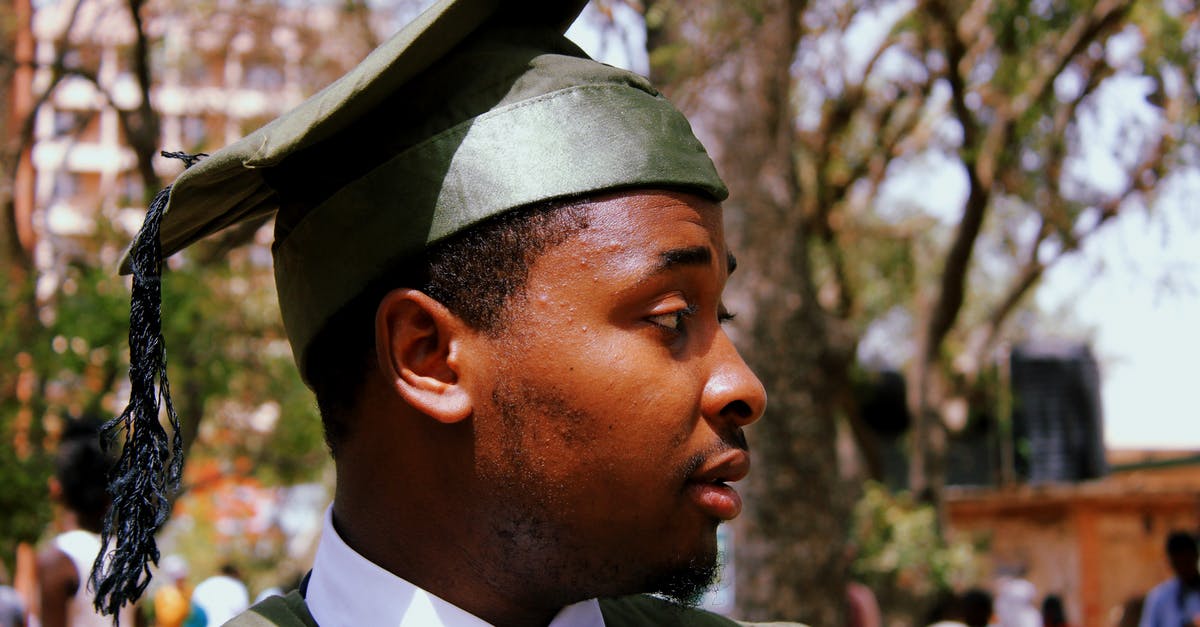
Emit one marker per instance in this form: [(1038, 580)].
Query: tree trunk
[(727, 66), (142, 125), (16, 99)]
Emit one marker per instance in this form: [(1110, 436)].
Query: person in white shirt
[(1015, 599), (64, 567), (222, 596)]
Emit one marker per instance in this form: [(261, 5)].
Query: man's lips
[(708, 488)]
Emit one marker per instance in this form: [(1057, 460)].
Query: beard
[(687, 583), (531, 520)]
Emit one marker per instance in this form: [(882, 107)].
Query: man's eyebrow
[(676, 257), (690, 256)]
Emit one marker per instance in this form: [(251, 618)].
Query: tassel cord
[(148, 472)]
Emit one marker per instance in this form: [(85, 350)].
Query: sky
[(1138, 286), (1134, 289)]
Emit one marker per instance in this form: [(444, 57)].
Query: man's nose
[(732, 391)]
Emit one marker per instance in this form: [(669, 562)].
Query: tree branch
[(1105, 17), (1035, 267), (57, 71), (142, 128)]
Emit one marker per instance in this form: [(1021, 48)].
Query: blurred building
[(1031, 482), (1057, 420), (218, 70), (1074, 522), (1097, 544), (1053, 430)]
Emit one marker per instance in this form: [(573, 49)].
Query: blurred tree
[(900, 555), (64, 312), (816, 113), (727, 66)]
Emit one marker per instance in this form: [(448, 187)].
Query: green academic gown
[(630, 611)]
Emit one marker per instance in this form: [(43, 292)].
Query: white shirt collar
[(347, 589)]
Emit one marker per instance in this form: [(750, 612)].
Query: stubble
[(530, 512)]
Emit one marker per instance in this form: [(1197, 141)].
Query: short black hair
[(81, 467), (976, 607), (1053, 611), (1181, 542), (474, 273)]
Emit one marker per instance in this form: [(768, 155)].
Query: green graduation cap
[(476, 108)]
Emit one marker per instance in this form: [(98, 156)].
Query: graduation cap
[(476, 108)]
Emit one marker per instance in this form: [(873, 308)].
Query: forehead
[(625, 226)]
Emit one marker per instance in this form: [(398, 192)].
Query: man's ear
[(417, 341)]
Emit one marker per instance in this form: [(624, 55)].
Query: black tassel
[(148, 473)]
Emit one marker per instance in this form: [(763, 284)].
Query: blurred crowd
[(174, 602), (1013, 601), (1014, 605), (50, 587), (213, 601)]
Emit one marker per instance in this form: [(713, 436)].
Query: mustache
[(735, 439), (738, 439)]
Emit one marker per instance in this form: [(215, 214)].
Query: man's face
[(1184, 564), (608, 412)]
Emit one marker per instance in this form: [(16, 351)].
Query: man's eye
[(675, 320)]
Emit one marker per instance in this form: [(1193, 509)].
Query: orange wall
[(1096, 545)]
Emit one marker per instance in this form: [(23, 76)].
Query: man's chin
[(686, 583)]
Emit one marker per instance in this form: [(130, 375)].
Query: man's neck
[(468, 593), (452, 574), (429, 528)]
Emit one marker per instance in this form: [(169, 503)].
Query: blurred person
[(947, 611), (1176, 601), (862, 608), (221, 597), (972, 608), (25, 579), (977, 608), (1054, 612), (172, 603), (1014, 604), (196, 617), (12, 605), (64, 567), (1130, 612)]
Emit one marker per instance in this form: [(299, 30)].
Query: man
[(977, 608), (78, 487), (12, 605), (500, 266), (972, 608), (1015, 602), (1176, 601)]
